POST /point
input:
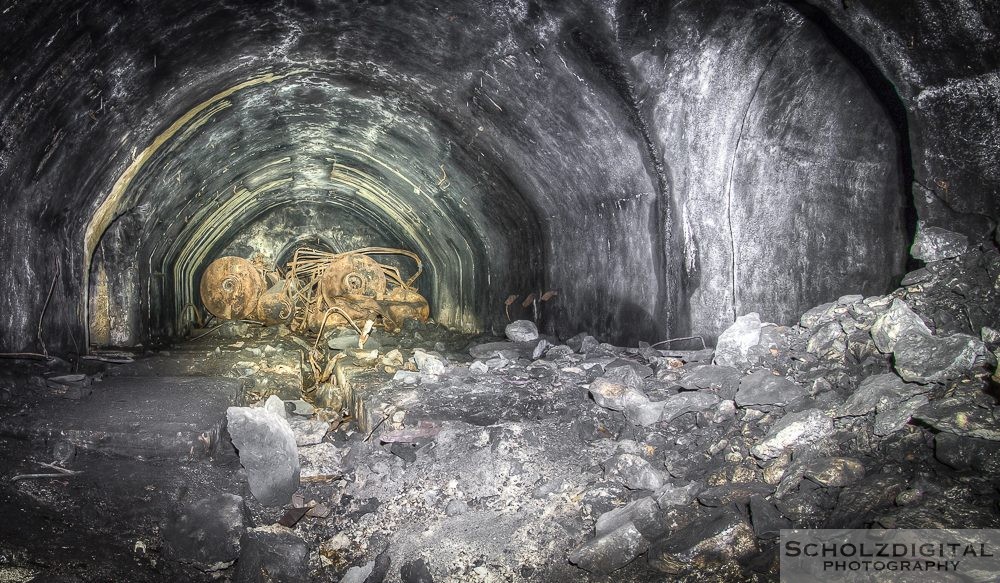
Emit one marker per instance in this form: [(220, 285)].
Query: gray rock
[(344, 340), (608, 553), (415, 572), (724, 380), (633, 512), (961, 416), (275, 405), (833, 472), (633, 471), (892, 418), (725, 538), (828, 342), (308, 431), (884, 390), (491, 349), (766, 519), (763, 388), (206, 533), (479, 367), (541, 348), (670, 495), (456, 507), (643, 412), (916, 276), (686, 402), (930, 359), (935, 243), (406, 377), (856, 502), (300, 407), (968, 453), (898, 321), (735, 342), (267, 451), (428, 363), (272, 554), (795, 429), (615, 395), (819, 315), (521, 331), (358, 574)]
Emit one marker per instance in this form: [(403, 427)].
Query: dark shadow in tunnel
[(885, 92)]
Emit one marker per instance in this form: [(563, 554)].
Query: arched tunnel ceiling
[(654, 162)]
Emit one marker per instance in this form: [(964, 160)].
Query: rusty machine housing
[(317, 290)]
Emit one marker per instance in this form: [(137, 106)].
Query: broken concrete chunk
[(935, 243), (207, 532), (735, 342), (763, 388), (895, 323), (795, 429), (633, 471), (686, 402), (521, 331), (267, 451), (608, 553), (929, 359)]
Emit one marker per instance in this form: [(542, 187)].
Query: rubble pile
[(432, 456)]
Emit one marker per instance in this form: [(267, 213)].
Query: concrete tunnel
[(663, 167)]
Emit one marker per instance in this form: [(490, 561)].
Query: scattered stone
[(492, 349), (275, 405), (358, 574), (735, 342), (892, 418), (479, 367), (935, 243), (272, 554), (725, 538), (930, 359), (819, 315), (521, 331), (671, 495), (300, 407), (308, 431), (406, 377), (416, 572), (766, 519), (428, 363), (615, 395), (267, 451), (206, 533), (456, 507), (961, 416), (634, 512), (857, 502), (724, 380), (633, 471), (540, 349), (687, 402), (795, 429), (897, 322), (884, 390), (643, 412), (610, 552), (764, 388), (968, 453), (833, 472), (828, 342)]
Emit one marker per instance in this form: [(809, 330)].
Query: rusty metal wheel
[(352, 275), (231, 287)]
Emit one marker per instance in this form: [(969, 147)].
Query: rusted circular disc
[(230, 288), (352, 275)]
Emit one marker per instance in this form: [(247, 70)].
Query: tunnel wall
[(590, 148)]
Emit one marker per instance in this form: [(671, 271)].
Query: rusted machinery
[(318, 290)]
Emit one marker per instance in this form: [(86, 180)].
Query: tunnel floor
[(464, 458)]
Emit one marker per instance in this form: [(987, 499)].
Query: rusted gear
[(231, 287), (352, 275)]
